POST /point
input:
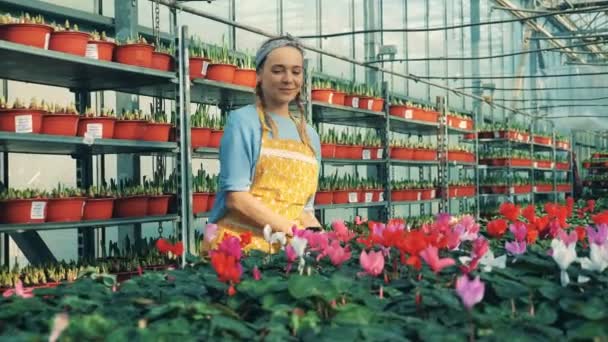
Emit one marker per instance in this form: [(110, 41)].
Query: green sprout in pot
[(319, 84), (167, 49), (99, 37), (66, 192), (100, 191), (23, 194), (133, 115), (196, 48), (66, 27), (246, 62), (27, 19), (202, 117)]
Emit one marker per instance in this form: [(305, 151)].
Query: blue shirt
[(240, 149)]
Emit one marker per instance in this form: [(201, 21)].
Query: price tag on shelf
[(370, 104), (534, 189), (23, 124), (367, 155), (409, 114), (520, 137), (353, 197), (95, 130), (462, 124), (552, 165), (535, 165), (433, 194), (511, 190), (47, 39), (379, 153), (331, 98), (369, 196), (92, 51), (355, 102), (381, 197), (419, 195), (496, 134), (205, 67), (37, 210)]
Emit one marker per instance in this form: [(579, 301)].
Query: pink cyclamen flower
[(359, 221), (257, 275), (480, 247), (290, 253), (516, 247), (471, 229), (430, 255), (18, 291), (454, 236), (341, 232), (597, 236), (372, 262), (470, 291), (567, 238), (519, 230), (231, 246), (210, 232), (338, 254)]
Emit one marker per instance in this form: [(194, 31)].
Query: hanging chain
[(160, 229), (157, 23)]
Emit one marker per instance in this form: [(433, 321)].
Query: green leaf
[(588, 331), (311, 286), (592, 309), (545, 314), (233, 325), (353, 314)]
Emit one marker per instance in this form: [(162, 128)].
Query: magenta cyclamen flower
[(257, 275), (599, 235), (231, 246), (372, 262), (480, 247), (516, 247), (519, 230), (566, 238), (470, 291), (337, 254)]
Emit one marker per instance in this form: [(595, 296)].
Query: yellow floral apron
[(286, 176)]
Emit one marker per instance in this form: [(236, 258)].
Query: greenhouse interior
[(282, 170)]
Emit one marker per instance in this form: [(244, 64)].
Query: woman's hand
[(308, 219)]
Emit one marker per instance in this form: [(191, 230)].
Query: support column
[(475, 40), (371, 40)]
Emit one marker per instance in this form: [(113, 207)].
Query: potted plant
[(60, 120), (200, 192), (366, 98), (367, 190), (402, 150), (162, 58), (223, 64), (563, 186), (245, 73), (131, 201), (159, 193), (329, 140), (405, 191), (200, 130), (26, 30), (23, 206), (322, 90), (427, 189), (562, 142), (131, 125), (461, 188), (65, 204), (543, 185), (324, 195), (542, 161), (562, 162), (425, 151), (20, 118), (511, 131), (502, 157), (411, 110), (213, 183), (460, 121), (217, 130), (461, 154), (158, 127), (98, 126), (134, 51), (99, 204), (69, 39), (198, 58), (372, 146), (353, 95), (100, 47), (543, 139), (339, 94), (344, 190)]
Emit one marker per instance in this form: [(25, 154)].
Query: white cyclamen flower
[(488, 261), (598, 258), (563, 256), (273, 238)]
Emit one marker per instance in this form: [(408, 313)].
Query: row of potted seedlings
[(357, 145), (413, 151), (206, 129), (520, 158), (463, 154), (411, 110), (407, 191), (596, 180), (461, 188), (348, 189), (519, 133), (347, 94), (204, 188), (43, 118), (65, 204), (598, 160)]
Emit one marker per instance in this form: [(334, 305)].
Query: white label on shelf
[(353, 197), (552, 165), (534, 189), (205, 66), (419, 195), (369, 196), (95, 130), (433, 194), (367, 155), (535, 165), (409, 114), (37, 210), (379, 153), (355, 102), (92, 51), (520, 137), (511, 190), (47, 39), (462, 124), (331, 98), (496, 134), (370, 104), (381, 197), (23, 124)]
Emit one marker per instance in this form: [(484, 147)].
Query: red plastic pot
[(563, 187), (421, 154), (200, 137), (98, 209), (402, 153), (72, 42), (522, 189), (378, 193), (340, 196), (378, 105), (158, 205), (221, 72), (162, 61), (134, 54), (425, 115), (411, 195), (352, 101), (355, 152), (397, 110), (564, 145), (457, 122), (60, 124), (65, 209), (24, 211), (198, 67), (200, 202), (100, 50), (460, 156), (21, 120), (397, 195), (328, 151), (245, 77), (427, 194), (36, 35), (157, 132), (323, 95), (542, 140), (544, 188), (134, 206), (342, 152), (543, 164), (215, 138), (104, 126), (130, 129), (339, 98), (366, 102), (562, 166), (211, 201), (324, 197)]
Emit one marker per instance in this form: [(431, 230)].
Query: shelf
[(55, 144), (499, 195), (6, 228), (436, 200), (397, 162), (225, 94), (203, 215), (206, 153), (458, 163), (513, 143), (342, 115), (464, 198), (522, 168), (405, 126), (29, 64), (353, 161), (459, 130), (543, 147), (350, 206)]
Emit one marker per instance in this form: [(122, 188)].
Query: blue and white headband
[(273, 44)]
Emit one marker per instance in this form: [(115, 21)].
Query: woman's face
[(282, 75)]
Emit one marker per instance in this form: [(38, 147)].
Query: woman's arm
[(245, 204), (308, 219)]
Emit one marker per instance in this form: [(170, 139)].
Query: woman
[(269, 158)]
